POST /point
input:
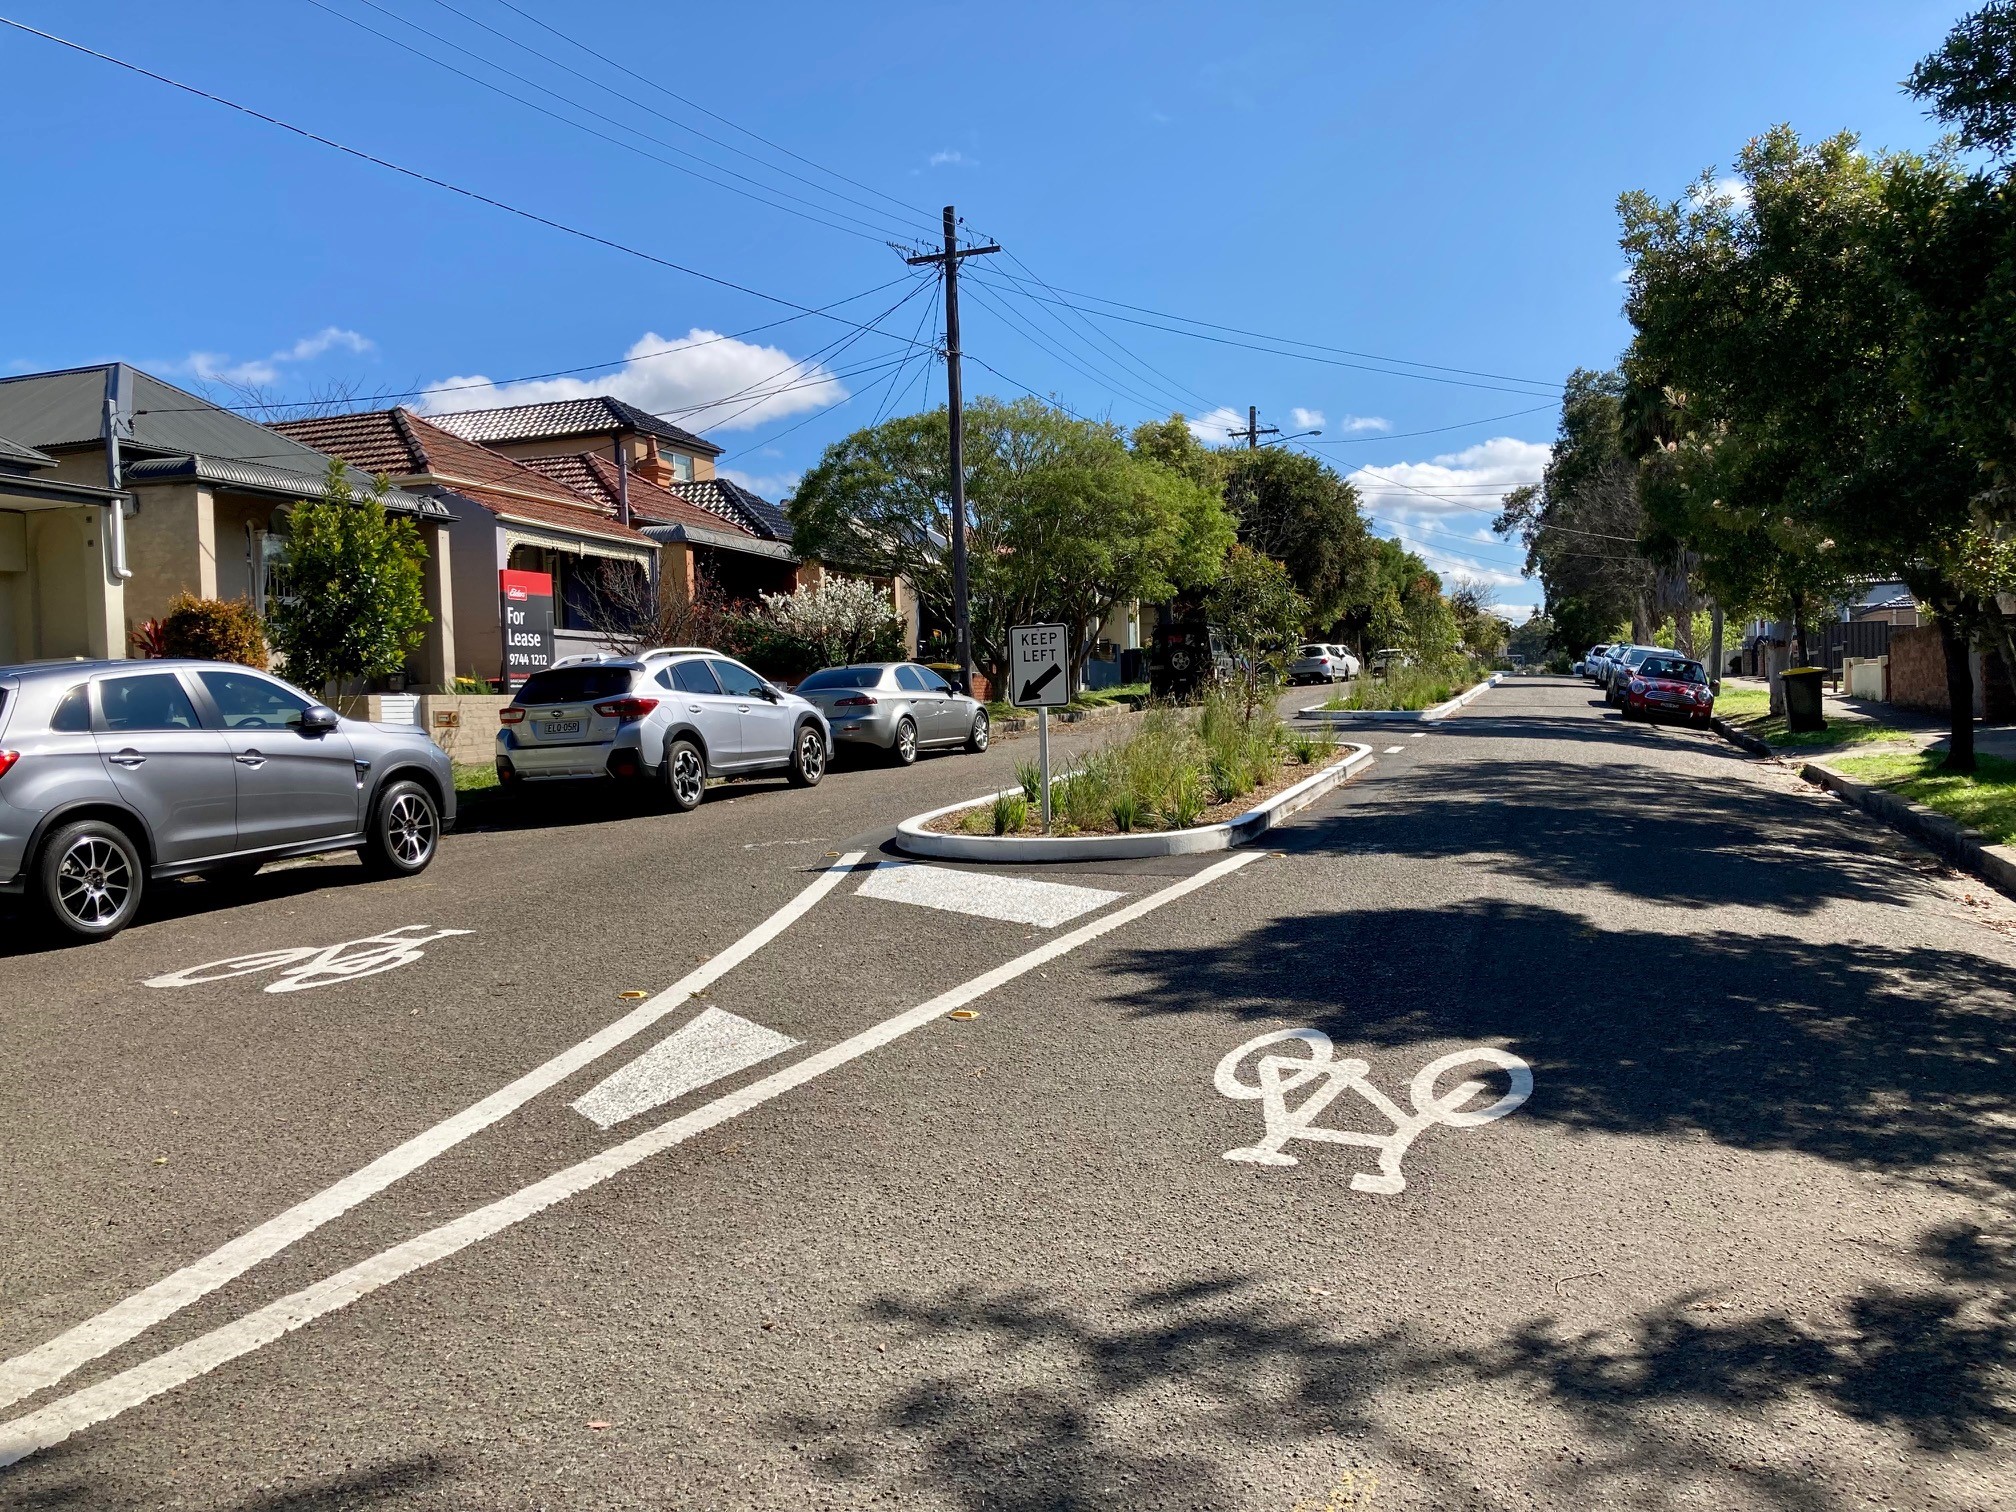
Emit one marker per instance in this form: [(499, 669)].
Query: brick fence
[(1918, 676)]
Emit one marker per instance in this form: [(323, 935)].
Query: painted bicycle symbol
[(1276, 1076), (305, 966)]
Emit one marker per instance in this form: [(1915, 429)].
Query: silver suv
[(113, 774), (675, 715)]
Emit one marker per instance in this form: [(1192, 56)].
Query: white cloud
[(950, 158), (769, 485), (220, 367), (1358, 425), (1305, 419), (1621, 276), (691, 380), (1461, 482), (1727, 189), (1215, 428)]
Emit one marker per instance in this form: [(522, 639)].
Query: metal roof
[(54, 410), (726, 539), (232, 473), (13, 454), (599, 416)]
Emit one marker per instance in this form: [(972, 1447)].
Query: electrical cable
[(425, 178)]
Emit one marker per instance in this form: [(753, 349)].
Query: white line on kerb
[(52, 1424), (47, 1363)]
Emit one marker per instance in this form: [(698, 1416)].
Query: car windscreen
[(574, 684), (1673, 669), (842, 677)]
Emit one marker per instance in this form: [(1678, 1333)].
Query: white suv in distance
[(676, 716)]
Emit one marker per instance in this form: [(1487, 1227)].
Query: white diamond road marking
[(709, 1047), (1019, 900), (1418, 735), (1394, 750)]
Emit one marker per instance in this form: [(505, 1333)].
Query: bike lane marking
[(50, 1425), (48, 1363)]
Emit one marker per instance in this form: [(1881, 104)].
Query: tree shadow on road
[(1162, 1398), (418, 1477), (1635, 828), (1879, 1057)]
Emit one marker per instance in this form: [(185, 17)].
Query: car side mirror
[(318, 720), (770, 694)]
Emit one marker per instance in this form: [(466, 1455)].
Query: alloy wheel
[(93, 881), (409, 829), (688, 780), (812, 755), (906, 743)]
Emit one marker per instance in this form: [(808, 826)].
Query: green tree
[(1065, 522), (354, 606), (1296, 510), (1971, 81), (1262, 615)]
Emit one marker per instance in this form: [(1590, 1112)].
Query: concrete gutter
[(1438, 711), (914, 839), (1965, 848)]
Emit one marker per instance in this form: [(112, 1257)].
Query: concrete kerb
[(913, 838), (1438, 711), (1965, 848)]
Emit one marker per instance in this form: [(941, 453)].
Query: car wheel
[(684, 774), (808, 757), (90, 878), (405, 831), (903, 749), (981, 733)]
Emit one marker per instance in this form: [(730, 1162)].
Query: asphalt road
[(1747, 1244)]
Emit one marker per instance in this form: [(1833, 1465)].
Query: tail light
[(510, 714), (626, 709), (7, 760), (858, 701)]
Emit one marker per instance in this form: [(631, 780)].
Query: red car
[(1674, 687)]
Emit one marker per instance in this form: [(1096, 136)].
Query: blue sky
[(1431, 183)]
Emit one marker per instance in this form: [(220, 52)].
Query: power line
[(425, 178), (1544, 383), (673, 120), (873, 233), (1432, 430), (715, 115)]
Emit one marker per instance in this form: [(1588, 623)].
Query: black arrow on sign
[(1036, 685)]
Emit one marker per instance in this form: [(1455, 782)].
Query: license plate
[(561, 727)]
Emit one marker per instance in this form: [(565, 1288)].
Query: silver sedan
[(898, 707)]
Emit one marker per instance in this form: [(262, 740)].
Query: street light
[(1281, 440)]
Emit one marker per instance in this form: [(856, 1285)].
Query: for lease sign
[(526, 599)]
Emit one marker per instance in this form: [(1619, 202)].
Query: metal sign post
[(1039, 677)]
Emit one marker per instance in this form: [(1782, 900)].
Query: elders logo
[(516, 594)]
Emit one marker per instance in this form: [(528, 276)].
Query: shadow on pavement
[(418, 1477), (1144, 1405)]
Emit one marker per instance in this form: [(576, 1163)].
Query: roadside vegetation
[(1985, 801), (1176, 769), (1409, 688), (1749, 710)]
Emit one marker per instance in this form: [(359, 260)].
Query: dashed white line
[(47, 1363), (702, 1050), (52, 1424), (1394, 750), (1020, 900)]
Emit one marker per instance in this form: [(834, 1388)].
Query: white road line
[(52, 1424), (1394, 750), (1418, 735), (702, 1050), (47, 1363), (1019, 900)]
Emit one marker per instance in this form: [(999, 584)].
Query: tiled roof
[(731, 501), (406, 445), (574, 518), (594, 475), (557, 418)]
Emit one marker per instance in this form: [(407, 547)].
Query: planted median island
[(1407, 689), (1179, 768)]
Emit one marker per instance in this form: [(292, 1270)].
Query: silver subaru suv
[(676, 715), (117, 773)]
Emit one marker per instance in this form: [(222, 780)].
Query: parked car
[(1321, 662), (674, 715), (1619, 667), (1186, 654), (898, 707), (1384, 661), (1591, 665), (117, 774), (1671, 685)]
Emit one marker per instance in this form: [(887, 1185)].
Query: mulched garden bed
[(982, 815)]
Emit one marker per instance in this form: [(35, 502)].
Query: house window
[(682, 466)]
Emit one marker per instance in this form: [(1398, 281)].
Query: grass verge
[(1985, 801)]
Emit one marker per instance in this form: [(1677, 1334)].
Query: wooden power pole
[(949, 260), (1254, 429)]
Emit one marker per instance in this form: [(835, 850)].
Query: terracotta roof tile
[(598, 416), (594, 476)]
